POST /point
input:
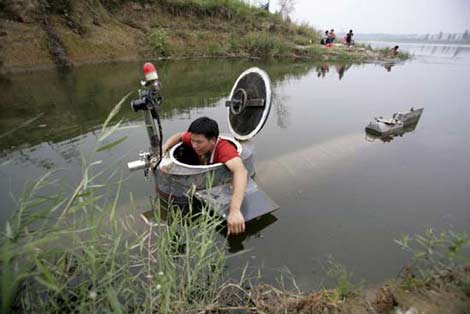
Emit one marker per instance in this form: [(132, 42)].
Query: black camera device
[(149, 98)]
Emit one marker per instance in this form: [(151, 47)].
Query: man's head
[(204, 134)]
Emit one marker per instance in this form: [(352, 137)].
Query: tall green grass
[(157, 40), (74, 250), (434, 253), (264, 44), (225, 9)]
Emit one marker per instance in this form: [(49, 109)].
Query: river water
[(340, 194)]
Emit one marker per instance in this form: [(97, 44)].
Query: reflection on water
[(388, 66), (279, 102), (324, 68), (298, 167), (252, 230), (72, 104), (339, 194)]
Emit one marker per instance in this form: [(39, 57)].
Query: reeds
[(76, 250)]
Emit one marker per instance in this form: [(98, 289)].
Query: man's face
[(201, 144)]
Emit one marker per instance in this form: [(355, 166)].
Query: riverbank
[(71, 33), (449, 293)]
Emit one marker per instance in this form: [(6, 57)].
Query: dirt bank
[(63, 33), (449, 293)]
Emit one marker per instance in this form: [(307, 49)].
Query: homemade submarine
[(178, 178)]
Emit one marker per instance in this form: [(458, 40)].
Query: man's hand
[(235, 222), (172, 141)]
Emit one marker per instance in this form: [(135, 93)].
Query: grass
[(220, 28), (224, 9), (121, 29), (263, 44), (157, 40), (433, 254), (343, 281), (74, 251)]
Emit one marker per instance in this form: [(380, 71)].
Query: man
[(331, 37), (203, 137), (349, 37), (393, 52)]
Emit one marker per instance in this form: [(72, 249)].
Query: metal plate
[(249, 104), (255, 203)]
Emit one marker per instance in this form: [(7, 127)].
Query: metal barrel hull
[(176, 182)]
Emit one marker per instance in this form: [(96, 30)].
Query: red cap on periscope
[(150, 72)]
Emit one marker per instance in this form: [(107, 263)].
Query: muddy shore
[(448, 293)]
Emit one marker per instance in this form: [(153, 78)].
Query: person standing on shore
[(349, 36), (331, 38)]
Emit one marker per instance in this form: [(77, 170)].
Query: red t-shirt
[(224, 150)]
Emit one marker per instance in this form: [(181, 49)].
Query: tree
[(286, 7), (466, 35), (264, 6)]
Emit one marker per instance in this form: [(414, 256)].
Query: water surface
[(340, 193)]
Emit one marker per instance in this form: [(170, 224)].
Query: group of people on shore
[(330, 36)]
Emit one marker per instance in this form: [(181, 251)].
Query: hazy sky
[(384, 16)]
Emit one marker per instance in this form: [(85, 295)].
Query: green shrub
[(215, 49), (234, 43), (265, 45), (343, 281), (302, 40), (435, 253), (158, 42), (201, 35), (315, 51)]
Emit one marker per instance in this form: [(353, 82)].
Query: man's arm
[(172, 141), (235, 220)]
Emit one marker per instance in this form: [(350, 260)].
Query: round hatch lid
[(249, 103)]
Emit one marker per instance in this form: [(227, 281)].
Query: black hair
[(205, 126), (396, 47), (350, 30)]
